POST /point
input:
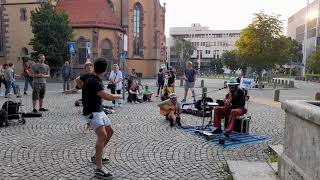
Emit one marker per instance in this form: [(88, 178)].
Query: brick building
[(102, 23)]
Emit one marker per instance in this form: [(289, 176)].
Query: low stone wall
[(301, 156)]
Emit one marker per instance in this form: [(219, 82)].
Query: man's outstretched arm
[(106, 96)]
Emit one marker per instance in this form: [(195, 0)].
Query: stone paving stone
[(143, 146)]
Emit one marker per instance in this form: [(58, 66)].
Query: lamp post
[(305, 40)]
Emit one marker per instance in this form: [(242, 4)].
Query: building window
[(23, 14), (111, 5), (82, 50), (1, 34), (138, 30), (107, 49)]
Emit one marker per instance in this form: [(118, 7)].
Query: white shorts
[(98, 119)]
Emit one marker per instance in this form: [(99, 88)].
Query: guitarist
[(171, 108), (234, 103)]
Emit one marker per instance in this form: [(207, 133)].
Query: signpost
[(72, 53), (123, 59)]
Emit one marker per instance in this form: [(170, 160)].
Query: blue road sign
[(122, 56), (71, 47)]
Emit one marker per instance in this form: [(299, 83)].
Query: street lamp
[(305, 39)]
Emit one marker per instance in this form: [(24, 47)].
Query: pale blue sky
[(225, 14)]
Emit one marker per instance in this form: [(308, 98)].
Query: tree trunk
[(260, 79)]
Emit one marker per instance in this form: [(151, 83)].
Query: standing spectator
[(190, 77), (116, 79), (40, 72), (28, 80), (160, 81), (66, 75), (10, 80)]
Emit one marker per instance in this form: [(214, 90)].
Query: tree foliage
[(217, 66), (313, 63), (184, 49), (230, 60), (294, 50), (261, 44), (51, 33)]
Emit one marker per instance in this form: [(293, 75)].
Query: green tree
[(313, 63), (262, 44), (294, 49), (51, 33), (184, 49), (230, 60), (217, 66)]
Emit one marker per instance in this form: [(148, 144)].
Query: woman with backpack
[(116, 84)]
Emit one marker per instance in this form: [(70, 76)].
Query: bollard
[(225, 84), (202, 83), (291, 84), (286, 84), (181, 82), (276, 95), (204, 92), (317, 96)]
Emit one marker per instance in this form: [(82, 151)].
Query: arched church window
[(107, 49), (138, 30)]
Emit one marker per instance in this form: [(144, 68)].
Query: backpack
[(11, 107)]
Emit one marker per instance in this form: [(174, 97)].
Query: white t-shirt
[(117, 76)]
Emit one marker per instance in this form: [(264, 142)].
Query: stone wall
[(301, 157)]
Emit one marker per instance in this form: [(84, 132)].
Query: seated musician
[(171, 109), (234, 103)]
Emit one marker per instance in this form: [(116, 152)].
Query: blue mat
[(235, 140)]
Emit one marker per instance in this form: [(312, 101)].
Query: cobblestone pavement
[(143, 146)]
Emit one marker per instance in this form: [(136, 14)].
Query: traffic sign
[(72, 47), (122, 56)]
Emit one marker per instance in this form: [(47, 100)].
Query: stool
[(241, 125)]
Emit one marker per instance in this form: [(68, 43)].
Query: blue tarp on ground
[(235, 140)]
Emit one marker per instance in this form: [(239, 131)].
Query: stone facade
[(301, 157), (18, 33)]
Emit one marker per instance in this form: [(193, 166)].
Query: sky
[(226, 14)]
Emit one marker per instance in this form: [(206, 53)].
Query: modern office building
[(209, 44), (297, 28)]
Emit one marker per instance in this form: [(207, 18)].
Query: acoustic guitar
[(166, 106)]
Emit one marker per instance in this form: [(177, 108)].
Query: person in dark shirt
[(234, 103), (80, 80), (160, 81), (190, 77), (171, 79), (92, 95)]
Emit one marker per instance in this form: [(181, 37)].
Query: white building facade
[(297, 28), (209, 44)]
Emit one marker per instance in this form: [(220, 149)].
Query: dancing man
[(92, 95)]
